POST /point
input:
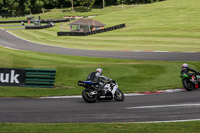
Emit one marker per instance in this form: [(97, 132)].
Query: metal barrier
[(38, 27), (91, 32), (41, 21), (40, 78)]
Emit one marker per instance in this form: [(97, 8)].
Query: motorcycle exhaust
[(106, 97)]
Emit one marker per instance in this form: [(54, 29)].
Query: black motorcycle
[(190, 81), (92, 93)]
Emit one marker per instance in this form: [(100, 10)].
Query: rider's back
[(92, 77)]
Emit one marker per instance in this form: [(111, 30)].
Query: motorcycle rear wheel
[(188, 85), (119, 95), (87, 97)]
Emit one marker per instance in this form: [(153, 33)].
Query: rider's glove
[(111, 81)]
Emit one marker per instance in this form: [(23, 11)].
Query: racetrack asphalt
[(176, 106), (164, 107), (11, 41)]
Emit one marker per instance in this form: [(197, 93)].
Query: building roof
[(92, 22)]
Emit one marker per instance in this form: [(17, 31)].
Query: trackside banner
[(12, 77)]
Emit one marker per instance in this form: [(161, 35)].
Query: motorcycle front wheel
[(119, 95), (86, 95), (188, 85)]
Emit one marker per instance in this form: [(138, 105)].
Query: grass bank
[(171, 25), (131, 75), (78, 11), (178, 127)]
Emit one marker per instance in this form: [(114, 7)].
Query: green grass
[(178, 127), (171, 25), (131, 75), (11, 27), (66, 12)]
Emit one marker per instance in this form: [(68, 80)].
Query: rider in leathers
[(185, 69), (98, 78)]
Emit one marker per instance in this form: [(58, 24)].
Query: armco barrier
[(40, 78), (38, 27), (13, 21), (41, 21), (92, 32)]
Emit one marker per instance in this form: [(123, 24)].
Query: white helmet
[(185, 65), (99, 70)]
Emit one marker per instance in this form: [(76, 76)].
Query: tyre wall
[(91, 32)]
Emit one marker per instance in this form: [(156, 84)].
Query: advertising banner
[(12, 77)]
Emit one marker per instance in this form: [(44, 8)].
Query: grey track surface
[(72, 110), (76, 110), (8, 40)]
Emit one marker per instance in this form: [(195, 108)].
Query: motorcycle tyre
[(87, 98), (117, 98), (186, 86)]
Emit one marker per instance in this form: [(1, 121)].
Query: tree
[(72, 3), (11, 7), (22, 7), (35, 6), (103, 4), (1, 2), (49, 4), (87, 3)]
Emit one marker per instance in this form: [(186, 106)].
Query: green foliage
[(36, 6), (50, 3), (1, 3), (11, 6), (87, 3), (22, 7)]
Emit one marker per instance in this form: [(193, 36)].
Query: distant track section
[(42, 21), (11, 41)]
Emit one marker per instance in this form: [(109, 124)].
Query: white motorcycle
[(91, 93)]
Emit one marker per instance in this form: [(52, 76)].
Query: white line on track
[(162, 51), (7, 43), (57, 97), (134, 94), (79, 96), (52, 45), (164, 106), (97, 50), (129, 94), (172, 90), (168, 121), (10, 48)]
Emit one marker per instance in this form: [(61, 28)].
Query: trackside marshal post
[(12, 77)]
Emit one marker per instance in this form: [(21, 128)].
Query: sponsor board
[(12, 77)]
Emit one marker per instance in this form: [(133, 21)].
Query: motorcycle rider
[(98, 78), (185, 69)]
